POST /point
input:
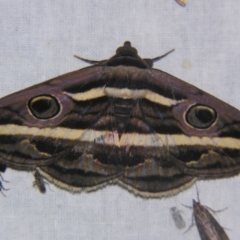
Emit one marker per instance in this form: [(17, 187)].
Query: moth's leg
[(39, 182), (215, 211), (192, 224), (2, 188)]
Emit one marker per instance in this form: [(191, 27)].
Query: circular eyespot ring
[(201, 116), (44, 106)]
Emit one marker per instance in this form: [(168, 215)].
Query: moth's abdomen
[(122, 109)]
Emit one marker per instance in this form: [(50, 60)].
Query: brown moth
[(207, 225), (121, 122)]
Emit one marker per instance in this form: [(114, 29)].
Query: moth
[(207, 225), (122, 122), (177, 218)]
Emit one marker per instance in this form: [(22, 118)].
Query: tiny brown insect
[(39, 182), (207, 225), (181, 2)]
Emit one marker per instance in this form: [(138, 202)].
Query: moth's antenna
[(192, 213), (164, 55), (87, 60), (197, 194), (97, 62)]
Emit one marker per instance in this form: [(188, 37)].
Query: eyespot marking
[(201, 116), (44, 106)]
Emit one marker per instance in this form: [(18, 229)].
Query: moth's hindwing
[(120, 121)]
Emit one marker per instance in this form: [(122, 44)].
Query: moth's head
[(126, 55), (194, 203)]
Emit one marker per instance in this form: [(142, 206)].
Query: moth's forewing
[(207, 225), (211, 152), (26, 141), (134, 125)]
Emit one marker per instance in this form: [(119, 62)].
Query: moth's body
[(208, 227), (39, 182), (123, 122)]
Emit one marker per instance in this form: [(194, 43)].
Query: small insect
[(207, 225), (39, 182), (181, 2), (177, 218)]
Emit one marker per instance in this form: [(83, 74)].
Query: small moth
[(177, 218), (39, 182), (207, 225)]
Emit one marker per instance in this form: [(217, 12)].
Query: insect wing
[(120, 121)]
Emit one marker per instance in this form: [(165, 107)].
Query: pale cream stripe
[(88, 95), (123, 93), (127, 139)]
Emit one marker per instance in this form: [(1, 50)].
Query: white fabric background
[(37, 42)]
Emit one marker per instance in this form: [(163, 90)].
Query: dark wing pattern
[(120, 122)]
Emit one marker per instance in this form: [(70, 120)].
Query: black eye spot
[(44, 106), (201, 116)]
